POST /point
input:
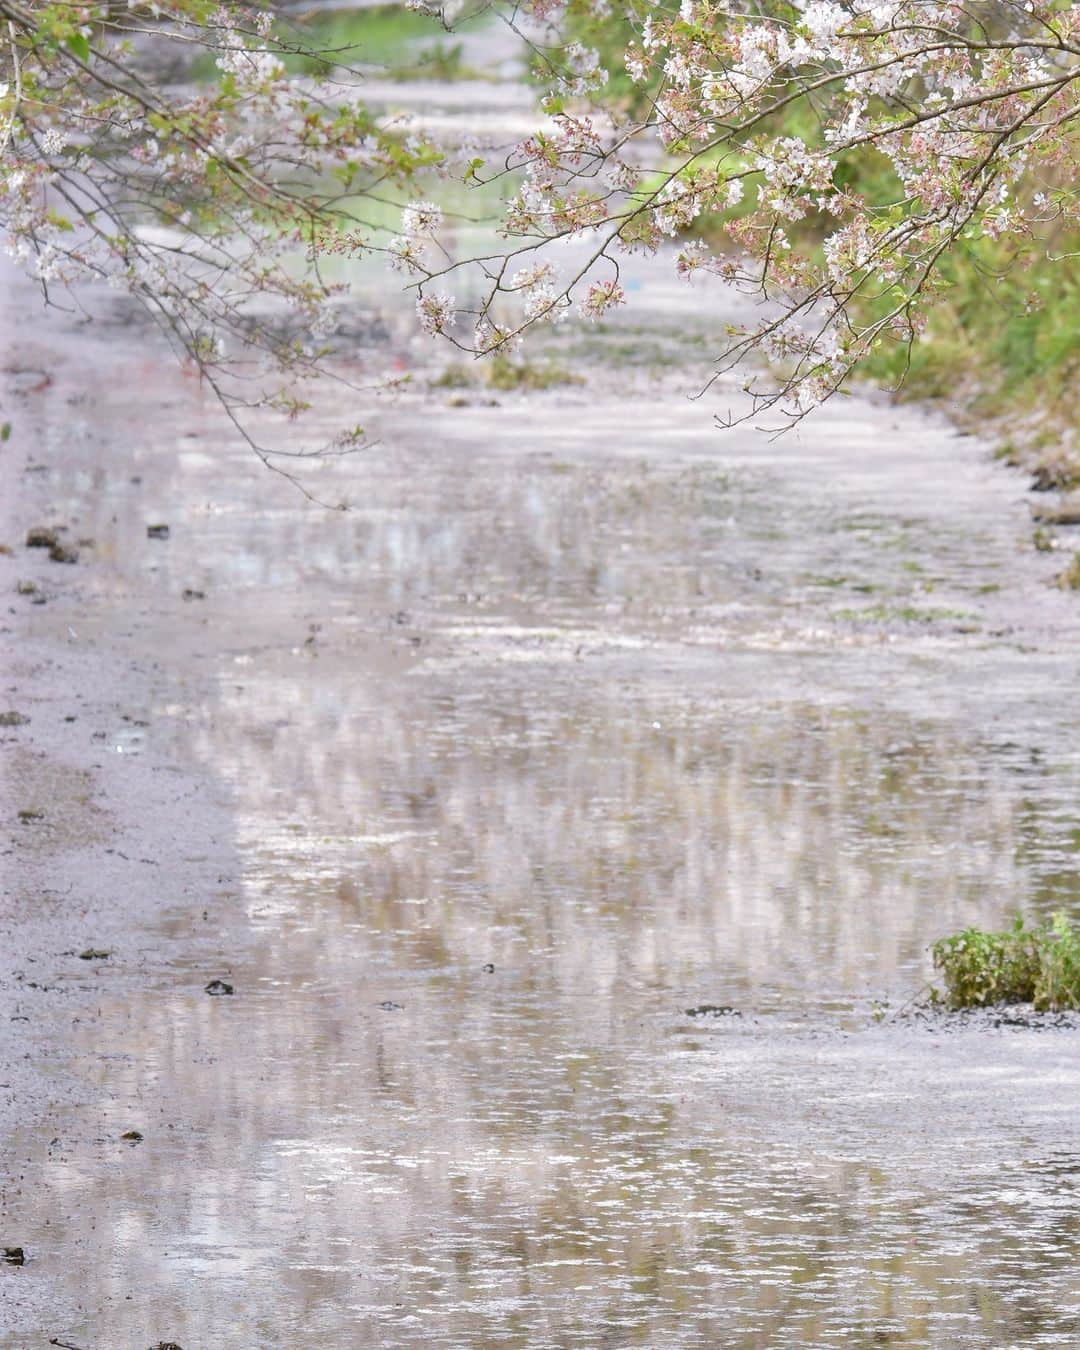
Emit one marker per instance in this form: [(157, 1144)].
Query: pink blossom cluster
[(759, 127), (196, 198)]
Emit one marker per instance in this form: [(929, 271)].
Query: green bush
[(1037, 964)]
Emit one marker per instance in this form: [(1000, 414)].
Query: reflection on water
[(620, 839), (535, 750)]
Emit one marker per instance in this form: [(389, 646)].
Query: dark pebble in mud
[(29, 816), (41, 537), (166, 1345), (132, 1137), (218, 987), (62, 554), (990, 1018), (190, 594), (157, 531), (26, 588), (14, 1256), (13, 719), (713, 1010), (489, 969), (388, 1005), (94, 954)]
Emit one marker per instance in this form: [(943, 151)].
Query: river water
[(584, 717)]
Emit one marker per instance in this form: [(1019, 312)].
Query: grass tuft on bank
[(1069, 580), (1037, 964), (506, 374), (1002, 347)]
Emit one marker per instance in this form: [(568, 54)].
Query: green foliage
[(79, 47), (1002, 327), (442, 61), (1007, 318), (1037, 964)]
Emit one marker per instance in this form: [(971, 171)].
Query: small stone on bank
[(62, 554), (713, 1010), (132, 1136), (94, 954), (388, 1005), (30, 814), (157, 531), (14, 1256), (41, 537), (216, 988), (13, 719)]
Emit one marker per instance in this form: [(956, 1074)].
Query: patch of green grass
[(453, 377), (503, 373), (442, 61), (657, 347), (1037, 964), (1006, 326), (1070, 578), (883, 613), (380, 35)]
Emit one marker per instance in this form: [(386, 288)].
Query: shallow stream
[(584, 716)]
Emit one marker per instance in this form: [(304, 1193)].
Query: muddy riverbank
[(582, 717), (116, 859)]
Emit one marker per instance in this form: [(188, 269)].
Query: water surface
[(583, 716)]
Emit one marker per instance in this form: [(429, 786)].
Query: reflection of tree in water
[(552, 1153), (619, 838), (472, 1169)]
